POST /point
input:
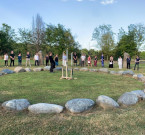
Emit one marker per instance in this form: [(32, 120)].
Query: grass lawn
[(39, 87)]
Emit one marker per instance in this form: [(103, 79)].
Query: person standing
[(36, 58), (64, 59), (120, 62), (19, 59), (75, 58), (128, 62), (47, 59), (89, 61), (137, 63), (51, 62), (95, 61), (102, 60), (6, 57), (56, 60), (83, 58), (28, 59), (111, 62), (12, 58)]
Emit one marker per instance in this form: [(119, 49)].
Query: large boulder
[(134, 76), (28, 70), (120, 72), (128, 99), (113, 72), (93, 70), (76, 69), (79, 105), (124, 60), (47, 68), (37, 69), (128, 72), (2, 73), (7, 71), (104, 70), (16, 104), (139, 93), (84, 69), (142, 79), (19, 69), (45, 108), (58, 69), (139, 76), (106, 102)]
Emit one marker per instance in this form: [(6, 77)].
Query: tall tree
[(105, 38), (7, 38), (60, 38), (38, 32), (138, 30)]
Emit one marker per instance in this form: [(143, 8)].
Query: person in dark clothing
[(52, 63), (111, 62), (19, 59), (137, 63), (75, 58), (128, 62), (56, 60), (47, 60), (12, 58), (102, 60)]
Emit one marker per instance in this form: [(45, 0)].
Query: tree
[(60, 38), (7, 38), (127, 44), (38, 32), (138, 30), (105, 38)]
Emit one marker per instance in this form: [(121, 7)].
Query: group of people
[(54, 62), (36, 59), (111, 61)]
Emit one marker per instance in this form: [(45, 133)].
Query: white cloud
[(106, 2)]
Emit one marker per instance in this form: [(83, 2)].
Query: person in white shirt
[(36, 58), (6, 57), (64, 59), (120, 62), (83, 58)]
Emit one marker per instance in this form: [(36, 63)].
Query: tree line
[(56, 38)]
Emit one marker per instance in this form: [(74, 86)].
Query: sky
[(81, 16)]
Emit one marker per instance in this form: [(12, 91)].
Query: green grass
[(39, 87)]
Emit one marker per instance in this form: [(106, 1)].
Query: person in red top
[(89, 61), (95, 61)]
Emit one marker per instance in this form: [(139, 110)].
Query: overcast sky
[(81, 16)]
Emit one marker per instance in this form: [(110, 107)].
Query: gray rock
[(93, 70), (142, 79), (139, 93), (47, 68), (45, 108), (28, 70), (7, 71), (120, 72), (2, 73), (139, 76), (79, 105), (134, 76), (113, 72), (128, 72), (128, 99), (16, 104), (104, 70), (37, 69), (76, 69), (84, 69), (58, 69), (106, 102), (19, 69)]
